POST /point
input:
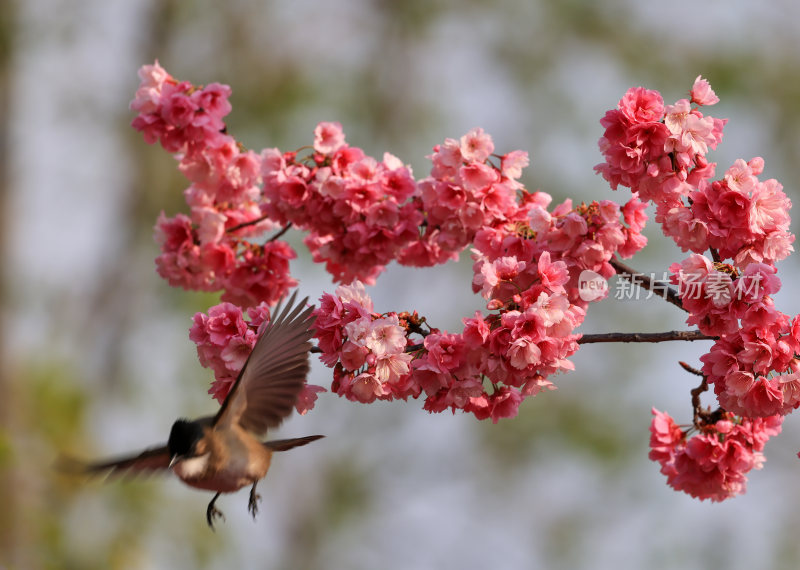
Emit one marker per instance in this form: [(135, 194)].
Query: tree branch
[(660, 288), (644, 337), (611, 337)]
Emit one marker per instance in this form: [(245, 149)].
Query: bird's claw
[(212, 513), (252, 505)]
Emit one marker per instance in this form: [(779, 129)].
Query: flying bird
[(226, 452)]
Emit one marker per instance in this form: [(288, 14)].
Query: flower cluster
[(739, 217), (208, 250), (353, 206), (248, 273), (526, 265), (717, 296), (224, 342), (660, 153), (375, 357), (464, 193), (585, 237), (177, 114), (652, 148), (361, 213), (514, 350), (755, 371), (366, 349), (712, 464)]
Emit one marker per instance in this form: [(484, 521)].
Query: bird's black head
[(183, 436)]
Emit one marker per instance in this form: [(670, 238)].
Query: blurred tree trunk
[(10, 534)]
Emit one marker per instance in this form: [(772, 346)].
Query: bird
[(226, 452)]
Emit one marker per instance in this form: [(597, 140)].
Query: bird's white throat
[(191, 467)]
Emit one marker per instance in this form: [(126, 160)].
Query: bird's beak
[(173, 460)]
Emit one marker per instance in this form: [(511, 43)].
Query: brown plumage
[(225, 452)]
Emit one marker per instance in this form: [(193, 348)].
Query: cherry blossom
[(713, 462), (360, 213), (225, 339)]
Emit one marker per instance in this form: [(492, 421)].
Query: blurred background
[(94, 347)]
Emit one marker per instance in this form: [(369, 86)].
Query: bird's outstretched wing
[(149, 461), (268, 385)]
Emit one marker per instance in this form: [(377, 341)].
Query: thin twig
[(245, 224), (699, 414), (696, 396), (238, 227), (280, 233), (702, 417), (691, 369)]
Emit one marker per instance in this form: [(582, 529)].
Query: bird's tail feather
[(284, 444)]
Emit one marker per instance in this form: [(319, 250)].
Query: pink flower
[(390, 368), (709, 295), (386, 336), (258, 315), (178, 109), (681, 224), (328, 137), (221, 386), (307, 398), (640, 105), (789, 385), (213, 99), (553, 274), (665, 437), (659, 151), (634, 214), (701, 92), (740, 177), (353, 355), (756, 282), (765, 398), (345, 316), (148, 94), (676, 115), (224, 342), (183, 262), (446, 159), (691, 133), (512, 163), (211, 224), (224, 321), (175, 233), (476, 146), (769, 208), (504, 404), (523, 352), (480, 406), (548, 309), (445, 353), (496, 279), (355, 295), (235, 353), (365, 388), (261, 275), (714, 463)]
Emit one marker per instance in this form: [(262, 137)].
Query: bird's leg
[(212, 512), (252, 506)]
